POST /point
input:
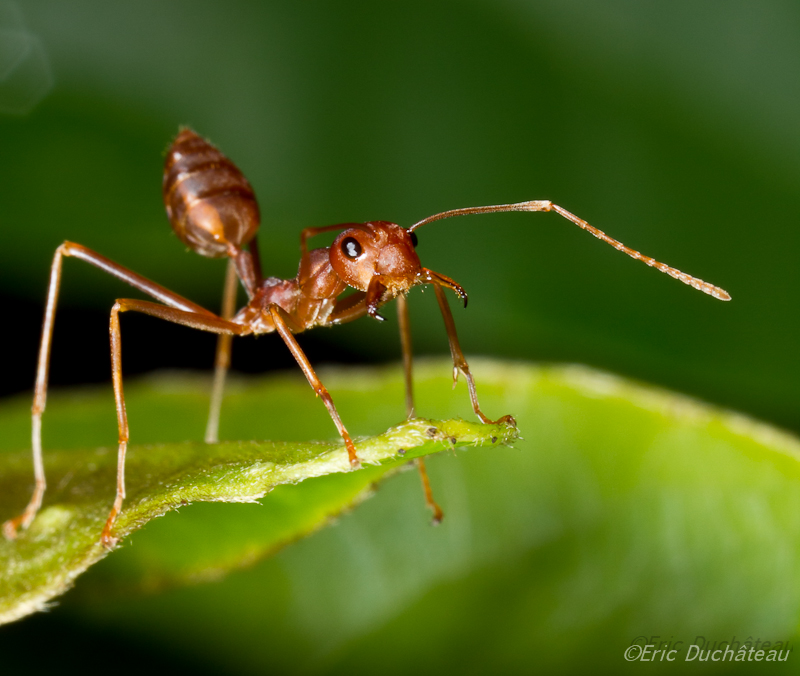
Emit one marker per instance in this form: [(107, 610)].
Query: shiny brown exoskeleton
[(212, 208)]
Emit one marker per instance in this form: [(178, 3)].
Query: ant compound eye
[(414, 240), (351, 248)]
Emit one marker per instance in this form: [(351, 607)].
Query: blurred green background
[(671, 125)]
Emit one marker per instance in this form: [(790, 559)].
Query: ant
[(213, 210)]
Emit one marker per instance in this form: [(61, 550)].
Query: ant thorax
[(312, 295)]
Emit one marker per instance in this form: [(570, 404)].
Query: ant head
[(378, 248), (380, 259)]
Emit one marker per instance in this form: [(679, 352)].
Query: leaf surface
[(625, 513), (63, 541)]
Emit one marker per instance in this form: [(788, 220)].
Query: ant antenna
[(545, 205)]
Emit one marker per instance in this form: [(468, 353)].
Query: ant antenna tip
[(715, 291), (722, 294)]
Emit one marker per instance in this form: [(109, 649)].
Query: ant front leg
[(459, 361), (408, 353), (408, 365), (281, 326)]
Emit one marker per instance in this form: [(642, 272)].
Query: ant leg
[(122, 422), (355, 306), (408, 364), (203, 322), (157, 291), (300, 356), (255, 257), (39, 400), (459, 361), (438, 514), (222, 361), (348, 309), (408, 354), (136, 280)]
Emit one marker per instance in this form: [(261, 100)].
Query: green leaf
[(626, 511), (63, 541)]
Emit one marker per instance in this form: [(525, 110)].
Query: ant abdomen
[(210, 204)]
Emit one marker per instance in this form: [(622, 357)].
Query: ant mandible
[(212, 208)]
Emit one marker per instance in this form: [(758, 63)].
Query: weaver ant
[(212, 208)]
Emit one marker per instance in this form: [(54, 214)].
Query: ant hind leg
[(222, 360)]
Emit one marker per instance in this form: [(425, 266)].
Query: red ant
[(212, 208)]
